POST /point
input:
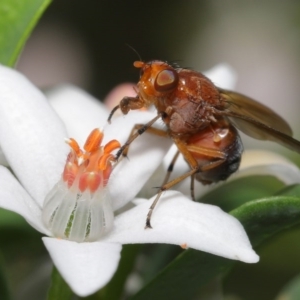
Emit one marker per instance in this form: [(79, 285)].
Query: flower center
[(78, 207)]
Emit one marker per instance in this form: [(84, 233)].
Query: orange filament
[(90, 180), (106, 174), (69, 173), (104, 160), (92, 167)]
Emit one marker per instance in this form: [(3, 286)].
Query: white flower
[(31, 137)]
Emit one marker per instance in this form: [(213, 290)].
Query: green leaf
[(264, 218), (18, 18), (183, 278), (58, 289), (114, 289), (291, 190), (291, 291), (4, 290), (239, 191), (11, 220)]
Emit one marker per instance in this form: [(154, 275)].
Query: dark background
[(87, 44)]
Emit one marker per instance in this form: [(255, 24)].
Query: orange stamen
[(90, 169), (89, 180), (93, 141), (74, 145), (72, 157), (106, 174), (69, 173), (104, 160), (111, 146)]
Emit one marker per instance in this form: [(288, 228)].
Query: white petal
[(80, 111), (177, 220), (86, 267), (144, 156), (31, 134), (15, 198), (261, 162), (254, 162), (3, 160), (222, 75)]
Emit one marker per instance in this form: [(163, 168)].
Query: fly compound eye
[(166, 80)]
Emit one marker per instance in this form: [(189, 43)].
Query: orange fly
[(202, 121)]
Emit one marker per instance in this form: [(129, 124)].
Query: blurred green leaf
[(237, 192), (291, 190), (11, 220), (291, 291), (264, 218), (4, 290), (114, 289), (59, 288), (156, 257), (193, 269), (18, 18)]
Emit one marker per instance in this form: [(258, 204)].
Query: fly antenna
[(135, 51)]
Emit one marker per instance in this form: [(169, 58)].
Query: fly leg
[(161, 190), (127, 104), (192, 187), (139, 130), (152, 130), (195, 168), (170, 168)]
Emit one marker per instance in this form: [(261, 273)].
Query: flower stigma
[(78, 207)]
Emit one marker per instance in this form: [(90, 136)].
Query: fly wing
[(257, 120)]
